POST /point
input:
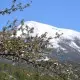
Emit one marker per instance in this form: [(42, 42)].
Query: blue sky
[(59, 13)]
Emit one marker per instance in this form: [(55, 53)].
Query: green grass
[(10, 72)]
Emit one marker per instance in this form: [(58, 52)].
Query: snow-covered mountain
[(67, 46)]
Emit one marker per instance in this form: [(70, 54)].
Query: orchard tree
[(19, 48)]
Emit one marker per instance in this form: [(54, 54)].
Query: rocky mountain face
[(66, 47)]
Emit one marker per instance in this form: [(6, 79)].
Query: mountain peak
[(41, 27)]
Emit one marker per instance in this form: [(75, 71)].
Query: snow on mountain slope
[(66, 47), (40, 28)]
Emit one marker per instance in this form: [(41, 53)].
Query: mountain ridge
[(67, 43), (40, 28)]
